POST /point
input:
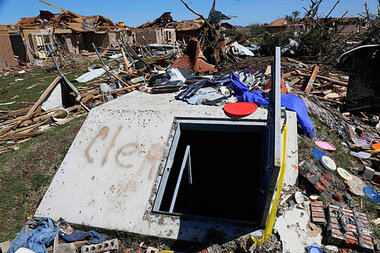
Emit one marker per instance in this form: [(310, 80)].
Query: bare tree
[(210, 37)]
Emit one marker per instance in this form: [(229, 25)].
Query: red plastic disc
[(239, 109)]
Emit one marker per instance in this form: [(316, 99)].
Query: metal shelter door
[(273, 139)]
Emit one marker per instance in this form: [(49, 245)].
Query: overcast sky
[(136, 12)]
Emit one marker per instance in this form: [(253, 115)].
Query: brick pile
[(348, 228), (317, 213), (319, 181)]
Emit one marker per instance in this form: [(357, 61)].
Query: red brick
[(316, 203), (320, 187), (318, 214), (337, 197), (325, 183), (318, 220)]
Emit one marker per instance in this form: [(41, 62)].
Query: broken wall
[(70, 42), (18, 47), (101, 41), (113, 37), (6, 52), (128, 36), (149, 35), (166, 36)]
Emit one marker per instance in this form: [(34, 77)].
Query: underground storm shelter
[(151, 165)]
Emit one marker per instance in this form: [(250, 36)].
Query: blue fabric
[(35, 235), (289, 101), (78, 235)]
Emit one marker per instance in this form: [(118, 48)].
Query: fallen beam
[(312, 79), (331, 80)]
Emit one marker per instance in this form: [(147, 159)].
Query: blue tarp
[(78, 235), (35, 235), (289, 101)]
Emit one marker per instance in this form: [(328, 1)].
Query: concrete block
[(101, 247), (368, 173), (4, 246), (65, 248)]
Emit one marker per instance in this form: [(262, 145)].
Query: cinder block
[(368, 173), (101, 247)]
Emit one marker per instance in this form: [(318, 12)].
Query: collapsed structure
[(71, 31)]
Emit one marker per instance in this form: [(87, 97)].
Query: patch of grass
[(25, 175), (28, 90)]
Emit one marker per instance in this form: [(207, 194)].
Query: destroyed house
[(71, 31), (346, 24), (160, 31)]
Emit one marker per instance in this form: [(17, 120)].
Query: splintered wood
[(316, 81)]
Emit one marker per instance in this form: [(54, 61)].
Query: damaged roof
[(165, 20), (188, 25), (67, 19)]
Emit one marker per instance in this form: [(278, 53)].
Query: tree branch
[(198, 14)]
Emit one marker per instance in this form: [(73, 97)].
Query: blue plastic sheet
[(289, 101), (35, 235)]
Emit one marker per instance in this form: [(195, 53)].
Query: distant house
[(340, 25), (282, 25)]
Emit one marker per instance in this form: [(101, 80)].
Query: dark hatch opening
[(226, 163)]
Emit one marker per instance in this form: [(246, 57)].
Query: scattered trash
[(325, 145), (363, 155), (318, 154), (328, 163), (344, 174), (356, 185), (314, 248), (60, 114)]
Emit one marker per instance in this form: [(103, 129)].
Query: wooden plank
[(34, 107), (126, 62), (117, 77), (86, 98), (85, 107), (312, 79), (131, 51), (331, 80)]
